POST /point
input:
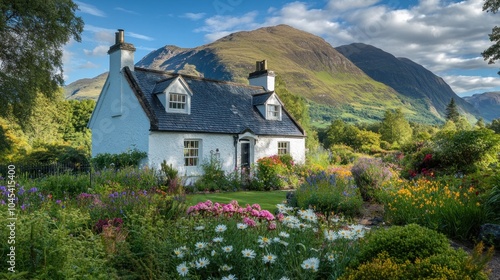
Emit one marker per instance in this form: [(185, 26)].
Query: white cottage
[(185, 120)]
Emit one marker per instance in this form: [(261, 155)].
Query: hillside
[(334, 86), (406, 77), (488, 103), (85, 88)]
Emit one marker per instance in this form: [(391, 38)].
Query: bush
[(370, 174), (269, 170), (342, 154), (329, 193), (454, 210), (126, 159), (171, 183), (129, 178), (213, 178), (61, 185)]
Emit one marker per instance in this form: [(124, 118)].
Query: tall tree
[(493, 52), (452, 113), (395, 128), (32, 34)]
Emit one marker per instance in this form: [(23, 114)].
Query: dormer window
[(177, 101), (273, 112)]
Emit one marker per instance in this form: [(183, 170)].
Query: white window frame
[(273, 112), (283, 148), (192, 152), (177, 102)]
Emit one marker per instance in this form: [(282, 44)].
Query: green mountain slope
[(406, 77)]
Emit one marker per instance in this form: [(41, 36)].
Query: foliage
[(395, 128), (270, 171), (172, 182), (61, 185), (213, 178), (492, 204), (329, 193), (454, 264), (402, 243), (13, 142), (52, 153), (42, 28), (370, 174), (454, 210), (492, 53), (125, 159), (452, 113), (495, 126), (342, 154), (466, 150), (125, 179)]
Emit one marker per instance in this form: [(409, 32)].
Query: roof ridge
[(174, 74)]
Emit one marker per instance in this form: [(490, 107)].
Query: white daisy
[(264, 241), (229, 277), (199, 228), (200, 245), (220, 228), (311, 263), (284, 234), (227, 249), (179, 253), (182, 269), (202, 262), (226, 267), (241, 226), (218, 239), (330, 257), (269, 258), (248, 253)]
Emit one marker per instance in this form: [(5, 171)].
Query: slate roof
[(216, 106)]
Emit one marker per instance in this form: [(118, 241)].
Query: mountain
[(333, 85), (85, 88), (488, 103), (406, 77)]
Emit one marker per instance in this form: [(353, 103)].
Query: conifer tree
[(452, 111)]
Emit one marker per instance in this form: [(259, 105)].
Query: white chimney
[(121, 54), (262, 77)]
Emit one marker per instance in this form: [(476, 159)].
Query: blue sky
[(446, 37)]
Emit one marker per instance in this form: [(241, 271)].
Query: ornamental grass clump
[(328, 193), (455, 211)]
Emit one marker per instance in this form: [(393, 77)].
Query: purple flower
[(21, 191), (23, 207), (32, 190), (58, 201)]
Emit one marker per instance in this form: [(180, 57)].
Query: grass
[(267, 200)]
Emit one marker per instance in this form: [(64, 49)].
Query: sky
[(446, 37)]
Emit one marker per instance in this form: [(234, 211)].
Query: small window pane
[(191, 152), (283, 148)]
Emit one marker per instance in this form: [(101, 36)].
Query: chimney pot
[(120, 37)]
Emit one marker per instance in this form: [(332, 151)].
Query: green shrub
[(269, 172), (370, 174), (403, 243), (61, 185), (126, 159), (453, 209), (450, 264), (342, 154), (171, 182), (125, 179), (329, 193), (213, 178)]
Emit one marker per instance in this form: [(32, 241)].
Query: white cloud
[(139, 36), (126, 11), (100, 50), (219, 26), (194, 16), (464, 84), (88, 65), (89, 9)]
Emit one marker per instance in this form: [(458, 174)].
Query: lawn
[(267, 200)]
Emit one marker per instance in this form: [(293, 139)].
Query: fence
[(35, 171)]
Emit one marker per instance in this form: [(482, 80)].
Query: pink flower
[(280, 217), (249, 222), (266, 215), (271, 226)]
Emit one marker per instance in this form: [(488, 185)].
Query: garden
[(281, 221)]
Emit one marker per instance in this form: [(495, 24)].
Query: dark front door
[(245, 155)]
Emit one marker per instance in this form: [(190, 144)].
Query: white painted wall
[(268, 146), (118, 122), (169, 146)]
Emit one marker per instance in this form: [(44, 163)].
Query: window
[(283, 148), (191, 152), (273, 112), (177, 101)]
